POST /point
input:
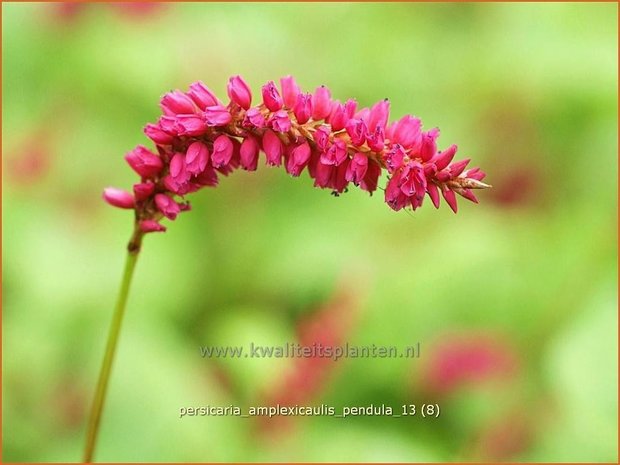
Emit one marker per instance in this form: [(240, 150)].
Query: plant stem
[(106, 366)]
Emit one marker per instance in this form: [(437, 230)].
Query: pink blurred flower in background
[(68, 12), (458, 360), (32, 163), (329, 326)]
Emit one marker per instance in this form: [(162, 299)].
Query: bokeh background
[(513, 301)]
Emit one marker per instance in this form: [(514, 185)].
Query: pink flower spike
[(157, 134), (118, 198), (321, 103), (143, 190), (239, 92), (273, 148), (303, 108), (202, 96), (197, 138), (144, 162), (169, 208), (217, 115), (271, 97), (357, 168), (222, 151), (248, 153), (253, 117), (298, 159), (290, 91), (196, 158), (148, 226), (177, 103), (379, 114), (280, 121), (191, 125)]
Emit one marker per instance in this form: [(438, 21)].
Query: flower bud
[(202, 96), (177, 103), (196, 158), (167, 206), (303, 108), (280, 121), (290, 91), (248, 153), (336, 154), (321, 103), (376, 140), (178, 171), (143, 190), (450, 198), (443, 159), (222, 151), (148, 226), (118, 198), (379, 114), (357, 168), (191, 125), (298, 159), (157, 134), (433, 193), (457, 168), (144, 162), (406, 132), (337, 118), (253, 117), (271, 97), (217, 115), (429, 144), (239, 92), (356, 128), (321, 137), (273, 148)]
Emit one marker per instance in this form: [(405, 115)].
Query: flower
[(118, 197), (239, 92), (271, 97), (144, 162), (198, 138), (461, 359)]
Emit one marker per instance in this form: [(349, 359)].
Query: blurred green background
[(514, 301)]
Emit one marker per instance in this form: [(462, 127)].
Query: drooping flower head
[(198, 138)]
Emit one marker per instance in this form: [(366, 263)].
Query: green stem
[(106, 366)]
